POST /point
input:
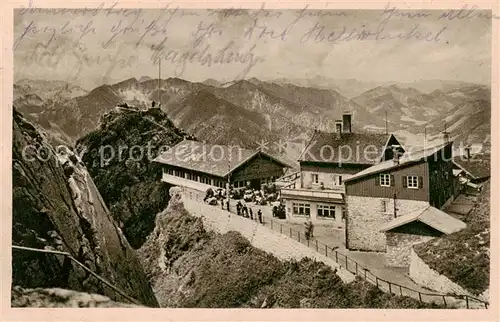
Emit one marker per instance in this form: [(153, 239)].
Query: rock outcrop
[(119, 155), (57, 206)]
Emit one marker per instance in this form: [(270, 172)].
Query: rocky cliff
[(57, 298), (119, 155), (56, 206)]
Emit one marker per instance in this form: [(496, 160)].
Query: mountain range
[(247, 112)]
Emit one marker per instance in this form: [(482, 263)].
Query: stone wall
[(399, 247), (365, 216), (422, 274)]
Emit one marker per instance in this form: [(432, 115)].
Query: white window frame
[(315, 178), (323, 208), (298, 206), (385, 180), (412, 182)]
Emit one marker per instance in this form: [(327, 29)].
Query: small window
[(412, 182), (385, 205), (385, 180), (340, 180), (315, 177), (301, 209), (326, 211)]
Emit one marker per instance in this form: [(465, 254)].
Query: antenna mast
[(386, 130), (159, 78)]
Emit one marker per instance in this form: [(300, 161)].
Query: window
[(340, 180), (385, 180), (301, 209), (412, 182), (326, 211), (315, 177)]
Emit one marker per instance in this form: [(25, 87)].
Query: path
[(368, 265)]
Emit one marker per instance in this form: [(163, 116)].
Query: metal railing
[(70, 257), (353, 266)]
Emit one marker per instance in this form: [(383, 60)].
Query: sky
[(98, 47)]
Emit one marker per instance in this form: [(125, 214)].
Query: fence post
[(365, 272), (400, 290), (444, 300), (281, 228), (298, 236), (420, 296), (290, 232), (326, 251), (376, 281), (317, 248), (336, 256), (390, 288), (356, 267), (467, 301)]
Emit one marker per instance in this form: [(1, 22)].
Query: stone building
[(394, 188), (403, 232), (326, 162)]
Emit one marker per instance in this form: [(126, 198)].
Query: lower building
[(403, 232), (323, 207), (200, 165)]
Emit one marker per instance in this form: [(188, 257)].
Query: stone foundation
[(365, 216), (399, 247)]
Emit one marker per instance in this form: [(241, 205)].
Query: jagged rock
[(129, 183), (57, 297), (52, 211)]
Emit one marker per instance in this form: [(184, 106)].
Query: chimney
[(346, 120), (338, 129), (395, 154), (446, 136)]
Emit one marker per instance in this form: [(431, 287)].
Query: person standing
[(251, 212), (259, 214)]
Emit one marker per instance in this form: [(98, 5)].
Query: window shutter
[(392, 180), (420, 182), (377, 180), (405, 183)]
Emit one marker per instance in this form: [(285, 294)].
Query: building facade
[(394, 188), (326, 162)]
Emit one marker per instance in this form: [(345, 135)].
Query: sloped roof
[(430, 216), (478, 166), (406, 159), (214, 159), (322, 144)]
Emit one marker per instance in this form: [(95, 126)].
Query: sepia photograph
[(251, 158)]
